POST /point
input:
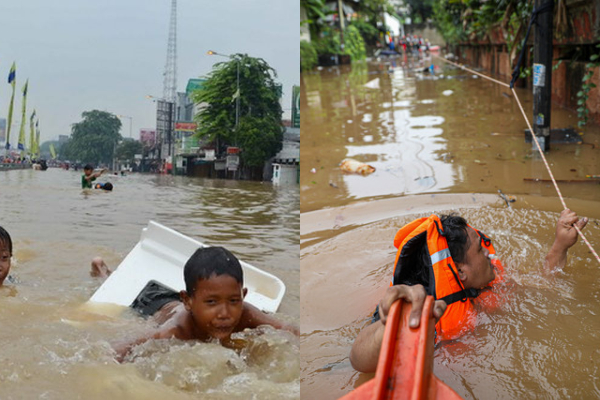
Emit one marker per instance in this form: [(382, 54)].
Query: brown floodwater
[(51, 348), (451, 132), (441, 144)]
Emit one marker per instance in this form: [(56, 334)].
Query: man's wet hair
[(455, 231), (88, 166), (108, 186), (207, 262), (5, 239)]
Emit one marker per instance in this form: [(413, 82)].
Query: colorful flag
[(31, 135), (21, 144), (52, 150), (11, 80), (12, 74)]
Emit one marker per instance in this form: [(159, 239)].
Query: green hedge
[(308, 56)]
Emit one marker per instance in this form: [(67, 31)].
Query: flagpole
[(31, 135), (11, 80), (37, 139), (21, 144)]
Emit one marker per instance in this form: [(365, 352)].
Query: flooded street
[(435, 141), (451, 132), (56, 230)]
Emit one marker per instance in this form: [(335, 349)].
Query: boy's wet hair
[(5, 239), (88, 166), (107, 186), (207, 262), (455, 231)]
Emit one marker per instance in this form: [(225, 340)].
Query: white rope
[(562, 200)]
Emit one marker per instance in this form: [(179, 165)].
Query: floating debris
[(356, 167), (507, 199), (374, 84)]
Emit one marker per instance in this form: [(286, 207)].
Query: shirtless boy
[(210, 308)]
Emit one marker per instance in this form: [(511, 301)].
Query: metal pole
[(171, 138), (542, 75), (237, 99)]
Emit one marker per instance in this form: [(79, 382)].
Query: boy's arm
[(252, 317), (123, 347), (366, 347), (565, 237), (97, 174)]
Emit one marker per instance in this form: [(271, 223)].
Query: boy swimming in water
[(89, 176), (5, 254), (210, 308), (105, 186)]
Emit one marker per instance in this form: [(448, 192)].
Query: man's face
[(216, 306), (477, 266), (4, 262)]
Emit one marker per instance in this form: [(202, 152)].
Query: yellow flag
[(11, 80), (21, 143)]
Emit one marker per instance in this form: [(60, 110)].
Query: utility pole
[(542, 74), (342, 27)]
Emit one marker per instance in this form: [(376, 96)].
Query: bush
[(308, 56), (355, 45), (328, 43), (369, 33)]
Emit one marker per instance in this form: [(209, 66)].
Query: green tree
[(421, 10), (45, 149), (259, 109), (127, 149), (315, 15), (94, 139)]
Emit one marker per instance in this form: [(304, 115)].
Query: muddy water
[(432, 148), (57, 229), (450, 132)]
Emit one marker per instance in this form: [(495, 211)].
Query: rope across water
[(560, 196)]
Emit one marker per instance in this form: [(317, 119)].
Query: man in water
[(447, 258)]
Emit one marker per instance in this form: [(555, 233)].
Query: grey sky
[(81, 55)]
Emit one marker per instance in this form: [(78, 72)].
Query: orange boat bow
[(405, 366)]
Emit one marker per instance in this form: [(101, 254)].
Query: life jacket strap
[(463, 295)]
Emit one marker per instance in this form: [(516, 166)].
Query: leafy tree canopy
[(127, 149), (259, 109), (93, 140)]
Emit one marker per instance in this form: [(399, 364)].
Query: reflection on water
[(447, 133), (541, 342), (450, 132), (52, 349)]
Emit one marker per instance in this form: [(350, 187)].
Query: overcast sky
[(81, 55)]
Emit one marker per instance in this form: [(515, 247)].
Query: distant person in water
[(5, 254), (448, 259), (89, 176), (105, 186), (210, 308)]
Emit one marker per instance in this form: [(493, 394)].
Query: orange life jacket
[(443, 281)]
